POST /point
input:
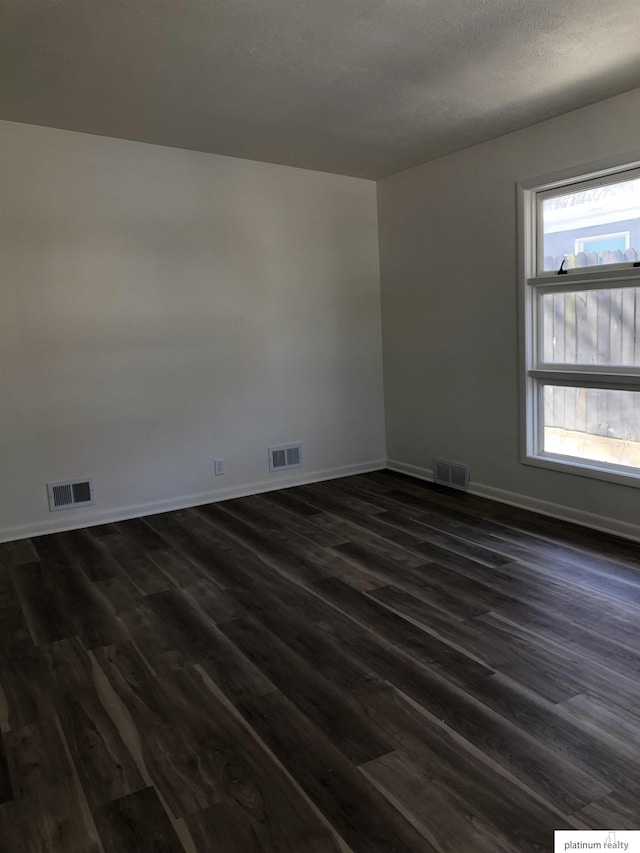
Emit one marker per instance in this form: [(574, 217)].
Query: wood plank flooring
[(369, 665)]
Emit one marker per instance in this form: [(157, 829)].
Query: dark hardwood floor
[(372, 665)]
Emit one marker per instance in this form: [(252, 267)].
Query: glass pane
[(592, 327), (599, 225), (592, 424)]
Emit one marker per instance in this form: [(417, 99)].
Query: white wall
[(161, 307), (449, 306)]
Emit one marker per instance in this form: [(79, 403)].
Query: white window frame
[(533, 282)]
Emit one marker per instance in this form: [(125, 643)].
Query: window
[(603, 243), (580, 316)]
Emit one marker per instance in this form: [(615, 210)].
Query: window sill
[(582, 468)]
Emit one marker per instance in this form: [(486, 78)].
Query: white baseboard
[(90, 519), (564, 513), (559, 511)]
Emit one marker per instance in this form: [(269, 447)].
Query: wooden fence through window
[(593, 327)]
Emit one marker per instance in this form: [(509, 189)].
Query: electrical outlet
[(218, 467)]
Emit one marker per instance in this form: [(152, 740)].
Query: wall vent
[(67, 494), (285, 456), (452, 474)]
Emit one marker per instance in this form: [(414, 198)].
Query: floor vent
[(285, 456), (452, 474), (67, 494)]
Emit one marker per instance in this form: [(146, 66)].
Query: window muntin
[(594, 224)]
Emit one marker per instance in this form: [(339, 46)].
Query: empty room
[(319, 426)]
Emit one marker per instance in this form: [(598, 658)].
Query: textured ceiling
[(358, 87)]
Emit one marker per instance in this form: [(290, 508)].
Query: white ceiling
[(358, 87)]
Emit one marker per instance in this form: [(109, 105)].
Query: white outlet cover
[(218, 467)]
